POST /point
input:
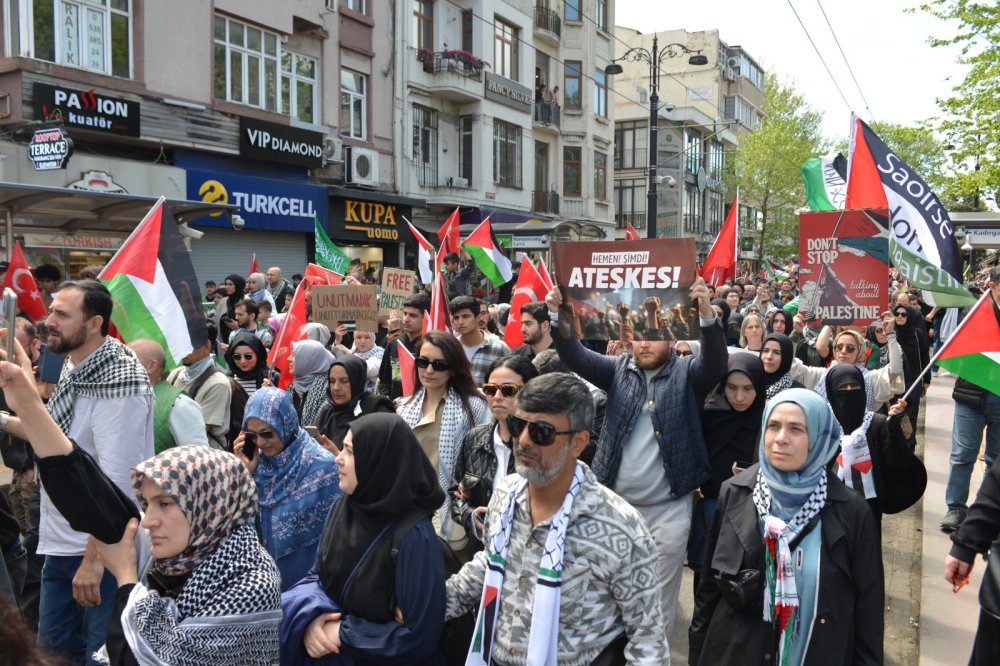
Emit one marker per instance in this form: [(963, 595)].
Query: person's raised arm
[(33, 421), (597, 369)]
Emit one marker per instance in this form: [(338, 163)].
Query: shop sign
[(537, 241), (272, 142), (507, 92), (97, 181), (87, 109), (50, 149), (507, 240), (376, 220), (264, 203), (70, 241)]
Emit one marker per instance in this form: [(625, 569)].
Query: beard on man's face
[(651, 354), (64, 344)]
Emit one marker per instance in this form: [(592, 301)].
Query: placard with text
[(397, 286), (343, 303)]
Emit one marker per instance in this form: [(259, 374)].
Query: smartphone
[(313, 431), (9, 314), (741, 465), (249, 449), (49, 365)]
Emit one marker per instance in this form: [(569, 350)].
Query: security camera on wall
[(237, 222)]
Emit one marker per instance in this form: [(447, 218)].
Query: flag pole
[(934, 358)]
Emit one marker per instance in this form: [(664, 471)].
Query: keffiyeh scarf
[(777, 387), (781, 600), (544, 637), (112, 371), (855, 459)]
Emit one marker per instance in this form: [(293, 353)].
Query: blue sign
[(265, 203)]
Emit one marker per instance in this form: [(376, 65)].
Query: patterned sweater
[(610, 582)]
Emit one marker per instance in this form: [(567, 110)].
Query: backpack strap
[(196, 385)]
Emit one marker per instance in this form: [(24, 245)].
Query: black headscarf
[(907, 337), (735, 323), (395, 480), (788, 323), (238, 294), (253, 342), (848, 405), (726, 310), (787, 356), (334, 419), (732, 435)]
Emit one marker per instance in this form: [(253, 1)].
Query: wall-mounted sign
[(97, 181), (50, 149), (272, 142), (368, 221), (508, 93), (75, 242), (265, 203), (86, 109)]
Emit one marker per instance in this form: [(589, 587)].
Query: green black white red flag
[(973, 350)]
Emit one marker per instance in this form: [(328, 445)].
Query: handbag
[(903, 488), (989, 591)]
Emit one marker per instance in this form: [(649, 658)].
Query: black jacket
[(981, 526), (387, 386), (848, 625), (890, 455), (475, 468), (968, 393)]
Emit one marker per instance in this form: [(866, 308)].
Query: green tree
[(972, 121), (766, 167)]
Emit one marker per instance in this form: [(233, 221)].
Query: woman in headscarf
[(225, 310), (722, 309), (779, 321), (257, 290), (445, 404), (777, 355), (365, 603), (365, 348), (879, 342), (912, 337), (688, 348), (795, 568), (318, 332), (734, 326), (296, 481), (309, 362), (247, 360), (731, 423), (348, 399)]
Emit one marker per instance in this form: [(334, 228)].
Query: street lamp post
[(654, 58)]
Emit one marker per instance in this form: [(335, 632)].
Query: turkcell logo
[(264, 203)]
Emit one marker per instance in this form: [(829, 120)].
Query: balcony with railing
[(454, 74), (543, 201), (548, 114), (631, 159), (637, 218), (548, 25)]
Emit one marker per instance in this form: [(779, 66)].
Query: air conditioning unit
[(733, 62), (362, 167), (457, 181), (333, 150), (729, 74)]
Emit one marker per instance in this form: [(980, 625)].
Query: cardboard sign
[(844, 266), (639, 285), (342, 303), (397, 286)]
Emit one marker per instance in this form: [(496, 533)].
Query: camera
[(237, 222)]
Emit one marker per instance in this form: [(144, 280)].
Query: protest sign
[(843, 266), (397, 286), (345, 303), (641, 286)]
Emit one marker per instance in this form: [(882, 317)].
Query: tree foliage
[(766, 167), (972, 123)]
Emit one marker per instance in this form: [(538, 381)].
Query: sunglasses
[(901, 313), (682, 354), (846, 348), (252, 436), (507, 390), (243, 357), (423, 363), (540, 432)]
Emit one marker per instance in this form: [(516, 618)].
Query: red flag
[(864, 183), (20, 279), (316, 274), (448, 234), (543, 272), (439, 318), (292, 330), (406, 363), (529, 288), (254, 266), (631, 233), (721, 261)]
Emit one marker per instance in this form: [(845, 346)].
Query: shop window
[(353, 104), (299, 90), (88, 34), (425, 140), (246, 64), (573, 80), (505, 40), (572, 171), (506, 154), (423, 24)]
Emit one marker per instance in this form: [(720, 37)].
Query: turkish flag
[(20, 279), (406, 362), (292, 330), (529, 288), (439, 318), (254, 266), (448, 234)]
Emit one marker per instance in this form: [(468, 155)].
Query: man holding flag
[(415, 309)]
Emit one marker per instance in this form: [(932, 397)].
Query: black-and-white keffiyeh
[(112, 371), (229, 612), (317, 399), (777, 387)]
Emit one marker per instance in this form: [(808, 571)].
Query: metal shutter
[(224, 251)]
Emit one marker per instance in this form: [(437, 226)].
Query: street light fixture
[(655, 59)]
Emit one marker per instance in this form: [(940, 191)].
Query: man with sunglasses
[(652, 450), (555, 516)]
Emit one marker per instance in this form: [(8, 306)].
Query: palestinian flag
[(484, 248), (774, 271), (825, 179), (973, 350), (154, 288)]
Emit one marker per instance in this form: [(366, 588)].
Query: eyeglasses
[(901, 313), (252, 436), (682, 354), (846, 348), (438, 364), (507, 390), (243, 357), (540, 432)]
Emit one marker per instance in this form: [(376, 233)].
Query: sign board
[(265, 203), (344, 303), (86, 109), (97, 181), (82, 242), (844, 266), (509, 93), (272, 142), (641, 286), (50, 149), (397, 286), (536, 241)]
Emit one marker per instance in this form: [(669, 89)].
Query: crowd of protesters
[(534, 505)]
